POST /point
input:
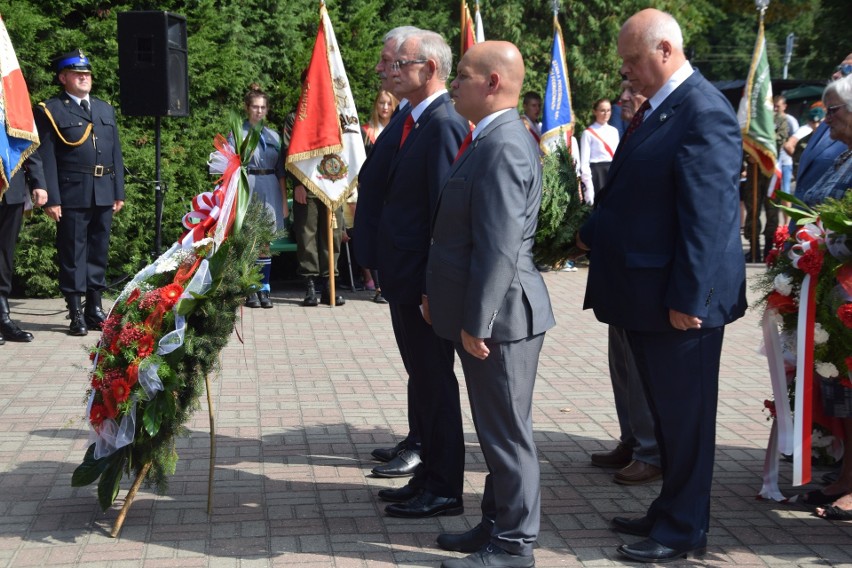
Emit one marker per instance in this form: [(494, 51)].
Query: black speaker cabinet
[(152, 66)]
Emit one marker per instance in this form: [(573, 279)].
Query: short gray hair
[(663, 27), (433, 46), (399, 34), (842, 88)]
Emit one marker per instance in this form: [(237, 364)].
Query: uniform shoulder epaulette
[(49, 116)]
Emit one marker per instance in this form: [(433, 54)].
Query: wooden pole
[(212, 447), (755, 214), (128, 501), (331, 284)]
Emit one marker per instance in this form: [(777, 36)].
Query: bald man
[(485, 295), (667, 267)]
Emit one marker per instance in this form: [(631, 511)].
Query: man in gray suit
[(485, 294)]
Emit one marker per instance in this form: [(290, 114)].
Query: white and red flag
[(326, 148), (18, 135)]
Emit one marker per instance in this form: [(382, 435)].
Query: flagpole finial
[(761, 5), (555, 4)]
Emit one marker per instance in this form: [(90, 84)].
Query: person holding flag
[(325, 151)]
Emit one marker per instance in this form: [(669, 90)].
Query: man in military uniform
[(84, 178)]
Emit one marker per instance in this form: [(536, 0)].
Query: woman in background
[(597, 147)]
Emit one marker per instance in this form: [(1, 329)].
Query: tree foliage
[(232, 44)]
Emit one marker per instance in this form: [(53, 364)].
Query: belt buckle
[(99, 171)]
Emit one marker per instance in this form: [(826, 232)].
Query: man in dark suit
[(429, 139), (485, 295), (84, 178), (403, 458), (667, 267), (11, 216)]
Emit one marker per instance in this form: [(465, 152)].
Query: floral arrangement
[(165, 330), (562, 211)]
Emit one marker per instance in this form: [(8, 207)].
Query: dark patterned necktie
[(637, 120)]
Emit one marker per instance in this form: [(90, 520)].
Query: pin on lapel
[(663, 117)]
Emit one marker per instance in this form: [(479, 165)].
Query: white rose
[(783, 284), (827, 370)]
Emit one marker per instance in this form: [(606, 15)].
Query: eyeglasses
[(833, 109), (395, 66), (845, 69)]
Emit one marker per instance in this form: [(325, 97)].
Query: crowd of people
[(444, 168)]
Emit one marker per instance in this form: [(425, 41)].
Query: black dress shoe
[(265, 302), (78, 323), (338, 300), (491, 556), (387, 454), (639, 527), (401, 495), (426, 504), (649, 550), (403, 465), (94, 317), (252, 301), (9, 331), (469, 541)]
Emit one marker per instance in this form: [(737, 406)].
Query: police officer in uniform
[(84, 177), (11, 217)]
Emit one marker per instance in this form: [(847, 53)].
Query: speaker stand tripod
[(159, 192)]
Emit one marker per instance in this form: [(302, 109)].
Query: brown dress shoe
[(638, 473), (617, 458)]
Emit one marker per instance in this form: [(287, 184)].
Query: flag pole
[(329, 217), (761, 6)]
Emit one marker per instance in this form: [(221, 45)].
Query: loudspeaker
[(152, 67)]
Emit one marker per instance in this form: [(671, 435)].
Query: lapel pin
[(663, 117)]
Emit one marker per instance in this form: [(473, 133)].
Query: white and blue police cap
[(73, 60)]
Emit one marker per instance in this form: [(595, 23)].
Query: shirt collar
[(482, 124), (78, 99), (424, 104), (669, 87)]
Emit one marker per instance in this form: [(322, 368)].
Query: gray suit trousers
[(631, 403), (500, 389)]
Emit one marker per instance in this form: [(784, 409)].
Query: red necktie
[(465, 143), (637, 119), (406, 129)]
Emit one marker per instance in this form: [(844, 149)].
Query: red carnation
[(782, 233), (134, 295), (770, 406), (781, 303), (120, 390), (98, 414), (844, 312), (811, 262), (170, 294), (772, 257), (146, 345)]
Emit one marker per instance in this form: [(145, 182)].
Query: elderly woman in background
[(597, 147), (836, 497), (266, 183)]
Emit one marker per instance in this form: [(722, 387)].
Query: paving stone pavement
[(299, 405)]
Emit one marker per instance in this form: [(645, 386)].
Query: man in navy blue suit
[(429, 140), (667, 267)]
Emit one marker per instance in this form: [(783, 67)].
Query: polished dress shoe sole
[(651, 551), (637, 527), (399, 510)]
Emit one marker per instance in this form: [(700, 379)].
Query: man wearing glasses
[(430, 138)]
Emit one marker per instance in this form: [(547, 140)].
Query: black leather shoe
[(310, 293), (265, 302), (252, 301), (400, 495), (403, 465), (11, 332), (387, 454), (425, 505), (338, 300), (469, 541), (490, 555), (94, 317), (639, 527), (649, 550), (78, 323)]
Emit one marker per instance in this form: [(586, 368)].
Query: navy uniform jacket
[(665, 234), (69, 156)]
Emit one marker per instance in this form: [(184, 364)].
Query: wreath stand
[(140, 477)]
